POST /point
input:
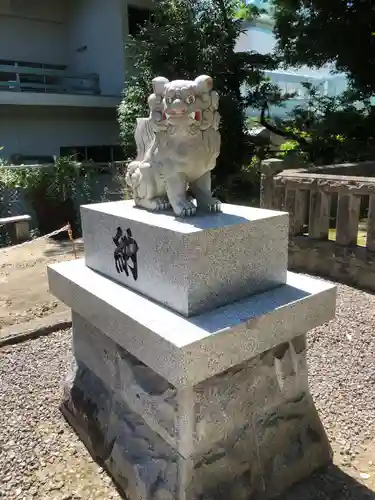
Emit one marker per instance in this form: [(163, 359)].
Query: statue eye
[(169, 100), (190, 99)]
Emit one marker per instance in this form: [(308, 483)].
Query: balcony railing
[(56, 81), (292, 83)]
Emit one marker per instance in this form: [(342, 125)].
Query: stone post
[(319, 215), (370, 244), (347, 219), (269, 168)]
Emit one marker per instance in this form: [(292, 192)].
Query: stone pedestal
[(210, 406), (191, 265)]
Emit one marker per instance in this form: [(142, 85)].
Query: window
[(29, 64), (78, 153), (97, 154), (136, 18)]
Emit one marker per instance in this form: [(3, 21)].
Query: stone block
[(186, 351), (137, 385), (190, 265), (248, 432)]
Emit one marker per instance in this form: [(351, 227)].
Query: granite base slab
[(186, 351), (189, 265), (246, 433)]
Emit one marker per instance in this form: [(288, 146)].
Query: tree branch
[(288, 135)]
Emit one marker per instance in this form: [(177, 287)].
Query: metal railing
[(28, 79)]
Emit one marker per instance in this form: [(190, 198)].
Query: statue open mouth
[(177, 112), (194, 115)]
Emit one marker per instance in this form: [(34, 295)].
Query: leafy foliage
[(340, 32), (186, 39), (329, 130), (247, 11), (59, 181), (52, 191)]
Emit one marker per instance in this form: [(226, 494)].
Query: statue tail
[(144, 138)]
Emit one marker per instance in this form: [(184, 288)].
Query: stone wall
[(360, 169), (321, 199)]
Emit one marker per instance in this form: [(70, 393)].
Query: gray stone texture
[(187, 351), (143, 390), (248, 432), (191, 265), (184, 406), (353, 266), (327, 190), (266, 382)]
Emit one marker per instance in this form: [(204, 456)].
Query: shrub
[(51, 190)]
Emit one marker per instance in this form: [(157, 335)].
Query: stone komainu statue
[(177, 147)]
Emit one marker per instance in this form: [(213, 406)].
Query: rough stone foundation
[(248, 432)]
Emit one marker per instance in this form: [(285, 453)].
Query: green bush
[(183, 40), (60, 181), (52, 190), (329, 130)]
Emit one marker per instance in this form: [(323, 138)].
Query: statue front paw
[(214, 205), (162, 204), (153, 204), (184, 208), (210, 205)]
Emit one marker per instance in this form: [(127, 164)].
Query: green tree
[(182, 40), (339, 32), (327, 129)]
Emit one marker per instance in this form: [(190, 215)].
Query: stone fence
[(320, 199)]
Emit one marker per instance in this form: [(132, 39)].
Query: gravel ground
[(341, 358), (41, 457)]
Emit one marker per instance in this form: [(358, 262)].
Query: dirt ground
[(24, 294)]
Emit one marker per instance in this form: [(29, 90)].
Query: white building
[(62, 71), (258, 37)]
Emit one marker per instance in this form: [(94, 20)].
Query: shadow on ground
[(330, 484), (64, 247)]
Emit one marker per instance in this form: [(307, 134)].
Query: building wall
[(337, 84), (96, 41), (43, 130), (43, 10), (258, 37), (33, 31)]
